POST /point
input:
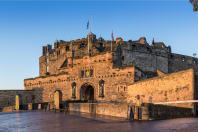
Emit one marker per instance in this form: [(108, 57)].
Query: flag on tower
[(112, 37), (87, 25)]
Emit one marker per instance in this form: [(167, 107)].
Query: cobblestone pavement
[(39, 121)]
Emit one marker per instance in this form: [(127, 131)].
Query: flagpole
[(71, 46), (111, 45), (88, 44), (112, 41), (88, 35), (71, 52)]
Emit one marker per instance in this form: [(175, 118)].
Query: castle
[(104, 73), (92, 69)]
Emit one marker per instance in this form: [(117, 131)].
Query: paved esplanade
[(59, 122)]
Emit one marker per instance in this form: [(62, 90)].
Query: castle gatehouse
[(128, 73)]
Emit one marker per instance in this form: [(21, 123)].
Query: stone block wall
[(115, 80), (109, 109), (178, 62), (156, 112), (146, 61), (7, 97), (177, 86)]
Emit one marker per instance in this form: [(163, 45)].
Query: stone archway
[(86, 92)]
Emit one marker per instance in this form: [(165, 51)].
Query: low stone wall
[(7, 109), (7, 97), (155, 112), (117, 110)]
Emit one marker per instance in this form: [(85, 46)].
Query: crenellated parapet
[(125, 53)]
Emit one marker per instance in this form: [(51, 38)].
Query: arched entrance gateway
[(86, 92)]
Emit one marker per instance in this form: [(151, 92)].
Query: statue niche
[(101, 88), (73, 90)]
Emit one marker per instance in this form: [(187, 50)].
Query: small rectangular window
[(183, 59), (91, 73), (82, 74), (67, 48)]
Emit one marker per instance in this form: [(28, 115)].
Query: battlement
[(65, 52), (147, 57), (96, 46)]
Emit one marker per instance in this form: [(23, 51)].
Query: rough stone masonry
[(131, 72)]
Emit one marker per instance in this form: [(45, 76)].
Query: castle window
[(33, 98), (67, 48), (58, 52), (73, 90), (91, 73), (82, 45), (101, 47), (47, 73), (82, 73), (183, 59), (101, 88), (86, 73), (123, 58), (101, 44)]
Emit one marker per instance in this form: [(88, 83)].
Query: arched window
[(73, 90), (101, 88)]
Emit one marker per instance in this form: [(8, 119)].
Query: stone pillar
[(17, 102), (57, 100), (145, 113), (136, 113), (30, 106), (39, 106)]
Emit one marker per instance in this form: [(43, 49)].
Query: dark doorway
[(87, 92), (196, 108)]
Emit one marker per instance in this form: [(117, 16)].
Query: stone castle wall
[(179, 62), (132, 72), (116, 80), (7, 97), (109, 109), (144, 57), (149, 58), (177, 86)]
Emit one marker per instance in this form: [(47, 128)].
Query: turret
[(118, 40), (46, 50), (56, 44)]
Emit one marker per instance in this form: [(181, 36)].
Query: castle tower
[(91, 39)]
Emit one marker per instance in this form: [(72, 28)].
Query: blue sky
[(25, 26)]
